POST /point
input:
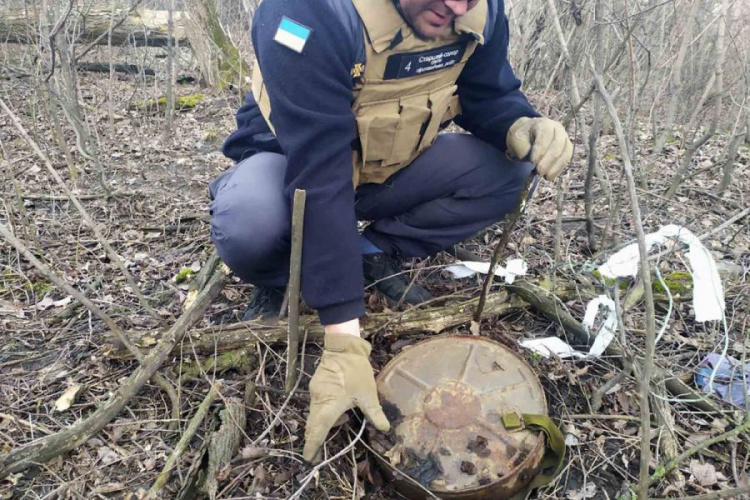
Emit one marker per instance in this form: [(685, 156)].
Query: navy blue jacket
[(311, 98)]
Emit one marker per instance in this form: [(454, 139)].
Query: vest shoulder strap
[(347, 14), (493, 10)]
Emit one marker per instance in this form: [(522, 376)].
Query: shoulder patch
[(292, 34)]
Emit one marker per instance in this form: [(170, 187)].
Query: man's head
[(432, 18)]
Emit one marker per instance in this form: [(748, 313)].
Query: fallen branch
[(666, 468), (551, 306), (44, 449), (179, 449), (221, 338), (128, 69), (224, 443), (716, 495)]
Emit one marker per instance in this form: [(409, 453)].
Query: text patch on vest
[(418, 63)]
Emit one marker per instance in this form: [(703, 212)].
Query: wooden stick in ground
[(501, 245), (295, 273), (645, 272), (44, 449), (182, 444)]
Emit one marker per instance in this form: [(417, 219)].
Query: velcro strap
[(554, 455)]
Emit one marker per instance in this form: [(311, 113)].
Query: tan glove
[(547, 142), (344, 379)]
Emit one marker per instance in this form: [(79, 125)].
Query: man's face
[(432, 18)]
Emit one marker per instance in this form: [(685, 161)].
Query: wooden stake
[(501, 245), (295, 272)]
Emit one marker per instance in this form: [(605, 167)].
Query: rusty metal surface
[(445, 398)]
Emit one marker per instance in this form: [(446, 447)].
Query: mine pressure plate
[(446, 399)]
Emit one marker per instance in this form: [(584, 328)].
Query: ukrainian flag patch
[(292, 34)]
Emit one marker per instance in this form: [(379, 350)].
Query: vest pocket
[(414, 113), (376, 124), (442, 102)]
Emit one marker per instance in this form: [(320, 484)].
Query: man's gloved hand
[(343, 380), (547, 142)]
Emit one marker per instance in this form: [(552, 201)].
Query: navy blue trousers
[(453, 190)]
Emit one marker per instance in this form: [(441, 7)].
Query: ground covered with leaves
[(57, 363)]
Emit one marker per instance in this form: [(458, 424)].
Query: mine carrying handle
[(554, 455)]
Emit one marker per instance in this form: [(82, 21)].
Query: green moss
[(239, 360), (610, 157), (180, 103), (188, 101), (678, 282), (38, 287), (609, 282), (184, 274), (673, 140)]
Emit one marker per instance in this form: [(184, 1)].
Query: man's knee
[(250, 220), (487, 170)]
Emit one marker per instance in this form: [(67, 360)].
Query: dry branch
[(187, 436), (295, 278), (44, 449), (221, 338), (84, 213), (224, 443)]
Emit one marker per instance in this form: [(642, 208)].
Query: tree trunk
[(142, 27), (675, 86), (220, 61)]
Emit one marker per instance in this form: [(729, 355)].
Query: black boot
[(382, 271), (265, 303)]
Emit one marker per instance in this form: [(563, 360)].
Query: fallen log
[(140, 27), (222, 338), (128, 69)]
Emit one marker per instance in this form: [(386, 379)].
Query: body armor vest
[(407, 91)]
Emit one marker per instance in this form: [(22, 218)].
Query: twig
[(716, 495), (500, 247), (596, 398), (51, 38), (166, 386), (648, 361), (47, 448), (322, 464), (597, 416), (179, 449), (84, 214), (47, 197), (664, 469), (61, 283), (295, 272), (283, 406)]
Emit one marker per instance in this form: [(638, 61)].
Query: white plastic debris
[(551, 346), (609, 326), (708, 294), (512, 269), (554, 346)]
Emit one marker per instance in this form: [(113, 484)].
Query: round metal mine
[(445, 398)]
